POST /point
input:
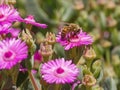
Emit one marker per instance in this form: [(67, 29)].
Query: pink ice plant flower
[(14, 32), (4, 29), (8, 14), (30, 20), (59, 71), (74, 40), (12, 51)]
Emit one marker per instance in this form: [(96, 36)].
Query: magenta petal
[(12, 51), (59, 71)]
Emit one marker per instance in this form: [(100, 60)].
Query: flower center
[(2, 17), (74, 39), (60, 70), (9, 55)]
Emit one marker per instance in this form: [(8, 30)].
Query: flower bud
[(27, 37), (105, 43), (116, 60), (101, 2), (111, 5), (97, 66), (39, 37), (95, 34), (50, 38), (111, 22), (109, 71), (89, 54), (12, 2), (46, 49), (78, 5), (88, 80)]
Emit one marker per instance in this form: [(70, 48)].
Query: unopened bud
[(92, 4), (50, 38), (39, 38), (89, 54), (78, 5), (27, 37), (116, 60), (89, 80), (97, 66), (95, 34), (109, 71), (111, 22), (12, 2), (110, 5), (46, 49), (101, 2), (105, 43)]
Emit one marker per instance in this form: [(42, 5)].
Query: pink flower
[(14, 32), (37, 56), (12, 51), (75, 85), (30, 20), (8, 14), (4, 29), (74, 39), (59, 71)]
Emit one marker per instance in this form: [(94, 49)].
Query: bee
[(69, 28), (64, 31), (74, 28)]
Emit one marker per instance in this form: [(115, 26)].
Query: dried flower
[(59, 71), (50, 38), (46, 49), (89, 80), (12, 51)]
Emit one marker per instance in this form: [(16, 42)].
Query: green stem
[(88, 63), (46, 58), (108, 56), (58, 87), (33, 81), (88, 88)]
